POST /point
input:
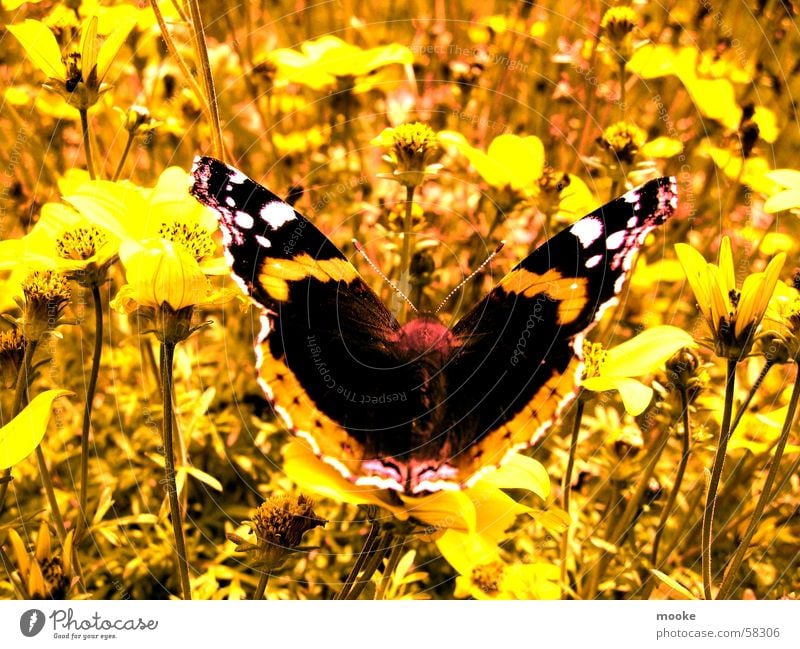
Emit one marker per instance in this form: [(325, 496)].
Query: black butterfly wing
[(510, 376), (327, 352)]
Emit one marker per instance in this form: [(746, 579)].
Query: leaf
[(521, 472), (203, 477), (41, 46), (671, 588), (20, 437)]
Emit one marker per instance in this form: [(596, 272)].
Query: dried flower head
[(617, 25), (42, 575), (623, 140), (279, 525), (46, 294), (488, 577), (12, 350)]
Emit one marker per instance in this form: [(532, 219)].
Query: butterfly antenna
[(471, 275), (363, 253)]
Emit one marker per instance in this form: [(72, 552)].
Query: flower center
[(46, 286), (192, 236), (80, 243), (594, 356), (487, 577)]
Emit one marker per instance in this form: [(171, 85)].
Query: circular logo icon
[(31, 622)]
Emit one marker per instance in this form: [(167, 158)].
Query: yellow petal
[(775, 242), (112, 45), (645, 352), (443, 510), (719, 298), (662, 147), (695, 268), (634, 394), (785, 177), (20, 552), (465, 551), (41, 46), (727, 272), (520, 472), (88, 48), (43, 548), (20, 437), (117, 207), (496, 511), (757, 292), (37, 588), (788, 199), (518, 160)]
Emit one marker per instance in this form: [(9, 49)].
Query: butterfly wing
[(326, 354), (510, 376)]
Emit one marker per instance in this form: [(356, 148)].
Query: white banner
[(386, 625)]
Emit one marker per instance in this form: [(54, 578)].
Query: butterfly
[(421, 406)]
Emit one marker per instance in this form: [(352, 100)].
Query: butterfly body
[(421, 406)]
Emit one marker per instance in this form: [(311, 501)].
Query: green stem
[(87, 147), (91, 388), (676, 488), (622, 88), (125, 152), (405, 254), (566, 485), (767, 494), (208, 80), (167, 354), (23, 376), (262, 586), (391, 565), (713, 483), (366, 549)]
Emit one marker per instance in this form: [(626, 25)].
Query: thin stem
[(208, 79), (566, 485), (371, 566), (767, 494), (405, 254), (16, 405), (50, 492), (391, 565), (87, 147), (187, 75), (262, 586), (624, 524), (87, 413), (713, 484), (676, 488), (366, 549), (167, 354), (125, 152), (622, 87)]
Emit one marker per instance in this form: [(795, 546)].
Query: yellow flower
[(166, 211), (162, 273), (623, 140), (483, 509), (510, 161), (78, 74), (321, 62), (732, 314), (614, 369), (483, 574), (42, 575), (412, 150), (64, 241)]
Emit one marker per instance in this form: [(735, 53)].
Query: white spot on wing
[(243, 220), (593, 261), (588, 230), (616, 239), (263, 241), (276, 214), (236, 177)]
